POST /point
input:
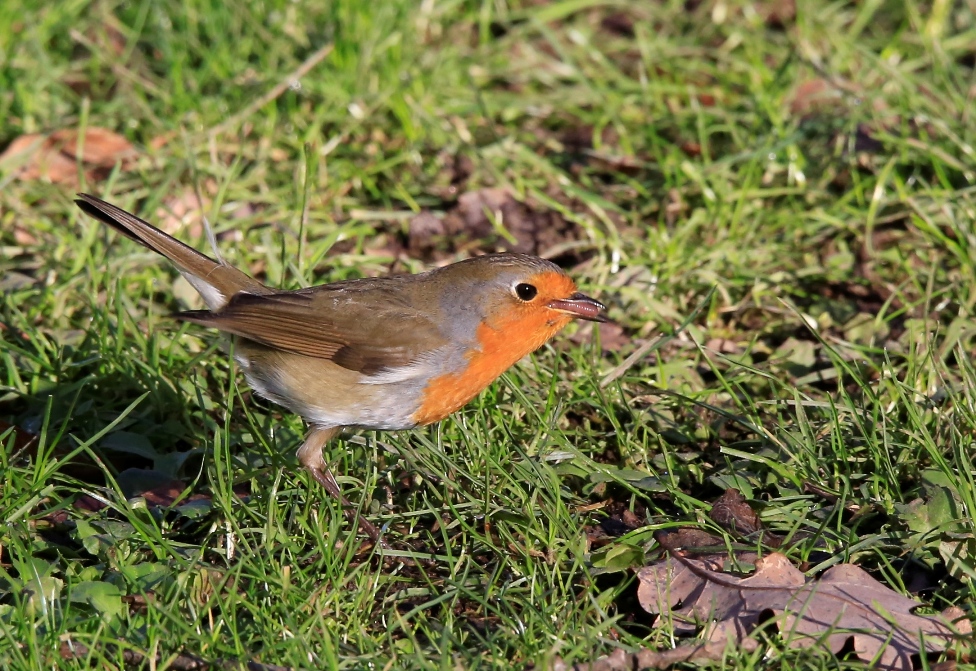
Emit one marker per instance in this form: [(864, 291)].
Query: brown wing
[(368, 336)]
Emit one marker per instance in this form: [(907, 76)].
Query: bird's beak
[(582, 307)]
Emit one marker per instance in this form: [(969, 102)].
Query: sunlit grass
[(820, 250)]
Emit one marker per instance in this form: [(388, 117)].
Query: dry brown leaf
[(814, 95), (620, 24), (722, 346), (161, 140), (845, 608), (97, 147), (690, 539), (613, 337), (34, 157), (56, 157), (165, 494), (424, 229), (645, 658), (691, 148), (732, 512), (108, 37), (22, 438), (778, 13), (478, 216), (182, 209), (23, 237)]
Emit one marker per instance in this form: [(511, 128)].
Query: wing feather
[(374, 336)]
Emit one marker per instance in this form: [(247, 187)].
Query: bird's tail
[(215, 281)]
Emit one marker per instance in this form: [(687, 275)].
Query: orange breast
[(500, 347)]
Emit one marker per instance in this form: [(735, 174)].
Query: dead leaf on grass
[(846, 609), (829, 99), (495, 219), (22, 438), (814, 95), (645, 658), (613, 337), (722, 346), (182, 209), (690, 539), (778, 13), (56, 157), (732, 512), (620, 24)]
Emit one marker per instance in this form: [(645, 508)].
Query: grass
[(818, 246)]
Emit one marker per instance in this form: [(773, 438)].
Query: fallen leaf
[(733, 513), (33, 157), (493, 218), (423, 232), (182, 209), (620, 24), (722, 346), (613, 337), (689, 539), (645, 658), (97, 147), (58, 157), (814, 95), (89, 503), (796, 355), (778, 13), (139, 603), (165, 494), (161, 140), (846, 609), (22, 438), (691, 148), (23, 237)]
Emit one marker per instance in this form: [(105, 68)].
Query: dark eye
[(525, 292)]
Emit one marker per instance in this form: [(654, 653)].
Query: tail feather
[(217, 282)]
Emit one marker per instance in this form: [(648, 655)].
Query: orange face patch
[(519, 330)]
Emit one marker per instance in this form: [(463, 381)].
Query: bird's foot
[(325, 478)]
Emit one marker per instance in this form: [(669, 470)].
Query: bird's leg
[(310, 456)]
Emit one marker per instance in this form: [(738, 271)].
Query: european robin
[(378, 353)]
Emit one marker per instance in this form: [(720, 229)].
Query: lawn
[(776, 202)]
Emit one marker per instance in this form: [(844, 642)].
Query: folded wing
[(375, 333)]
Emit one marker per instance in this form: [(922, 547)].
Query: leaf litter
[(846, 609), (57, 157), (845, 612), (493, 219)]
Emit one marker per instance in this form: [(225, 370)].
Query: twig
[(275, 92)]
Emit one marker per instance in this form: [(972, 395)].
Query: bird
[(384, 353)]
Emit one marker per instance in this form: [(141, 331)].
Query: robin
[(377, 353)]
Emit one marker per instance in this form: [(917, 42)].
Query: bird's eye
[(525, 292)]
